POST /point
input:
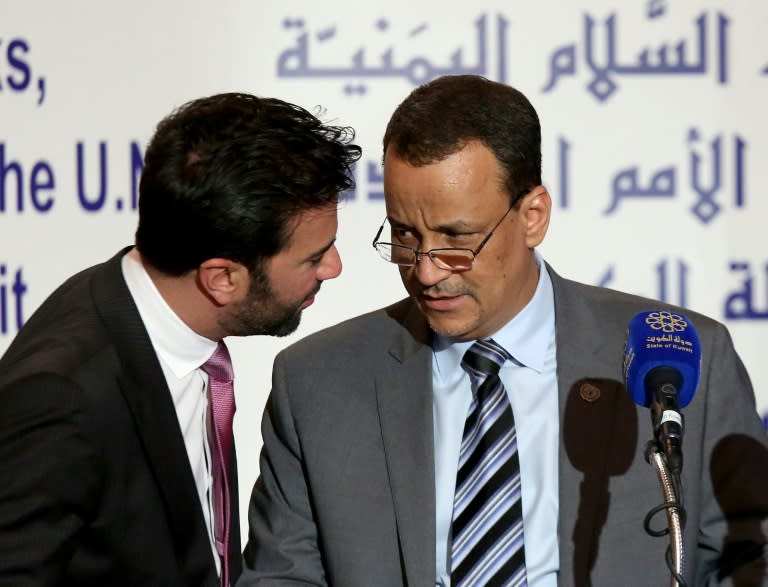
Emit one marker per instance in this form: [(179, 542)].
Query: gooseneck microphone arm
[(671, 489)]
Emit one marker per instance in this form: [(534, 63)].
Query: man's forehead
[(307, 214), (302, 223)]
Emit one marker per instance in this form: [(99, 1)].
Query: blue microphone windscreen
[(661, 338)]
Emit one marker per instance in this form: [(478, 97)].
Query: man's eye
[(460, 236)]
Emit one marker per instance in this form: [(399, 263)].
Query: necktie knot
[(222, 395), (219, 365), (484, 357)]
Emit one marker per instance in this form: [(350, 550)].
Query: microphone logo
[(666, 321)]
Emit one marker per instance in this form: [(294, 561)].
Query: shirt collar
[(525, 337), (180, 347)]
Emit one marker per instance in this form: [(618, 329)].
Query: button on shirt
[(530, 338), (181, 352)]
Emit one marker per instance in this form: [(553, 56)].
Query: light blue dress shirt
[(532, 389)]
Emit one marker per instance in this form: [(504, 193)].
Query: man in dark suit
[(394, 467), (106, 449)]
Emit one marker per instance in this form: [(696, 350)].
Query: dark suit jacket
[(95, 482), (346, 495)]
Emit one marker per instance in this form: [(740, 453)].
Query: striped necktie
[(220, 376), (487, 528)]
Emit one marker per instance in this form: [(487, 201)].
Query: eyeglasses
[(449, 258)]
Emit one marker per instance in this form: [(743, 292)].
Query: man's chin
[(287, 326), (450, 326), (255, 325)]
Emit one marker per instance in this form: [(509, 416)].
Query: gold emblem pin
[(589, 393)]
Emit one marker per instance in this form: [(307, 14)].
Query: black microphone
[(662, 363)]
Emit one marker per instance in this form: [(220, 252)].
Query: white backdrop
[(654, 138)]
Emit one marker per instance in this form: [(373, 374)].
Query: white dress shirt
[(181, 352)]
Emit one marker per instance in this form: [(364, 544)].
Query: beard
[(261, 312)]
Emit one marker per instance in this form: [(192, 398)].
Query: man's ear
[(535, 210), (223, 280)]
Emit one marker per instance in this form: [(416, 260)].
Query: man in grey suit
[(107, 432), (365, 429)]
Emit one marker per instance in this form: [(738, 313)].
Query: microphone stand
[(675, 556)]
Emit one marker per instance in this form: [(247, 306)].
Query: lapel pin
[(589, 393)]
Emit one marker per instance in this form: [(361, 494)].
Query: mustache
[(443, 289)]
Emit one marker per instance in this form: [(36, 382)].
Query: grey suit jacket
[(346, 495)]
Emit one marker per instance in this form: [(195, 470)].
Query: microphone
[(662, 363)]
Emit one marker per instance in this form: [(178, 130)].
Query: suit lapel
[(235, 548), (403, 391), (147, 394), (598, 425)]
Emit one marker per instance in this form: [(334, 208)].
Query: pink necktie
[(220, 375)]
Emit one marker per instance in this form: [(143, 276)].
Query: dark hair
[(223, 175), (442, 116)]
